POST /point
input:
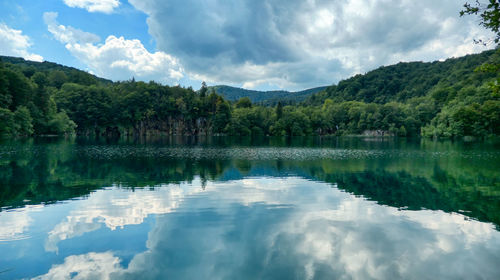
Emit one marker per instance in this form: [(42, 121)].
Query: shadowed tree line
[(34, 173), (441, 99), (457, 97)]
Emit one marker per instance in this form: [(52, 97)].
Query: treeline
[(36, 98), (48, 170), (266, 98), (457, 97)]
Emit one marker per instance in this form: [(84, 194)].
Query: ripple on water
[(267, 153)]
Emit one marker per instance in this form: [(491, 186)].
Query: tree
[(279, 110), (490, 18), (489, 14), (5, 96), (57, 78), (6, 122), (61, 124), (19, 88), (222, 115), (23, 121), (203, 89), (244, 102)]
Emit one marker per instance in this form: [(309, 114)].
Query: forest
[(265, 98), (57, 173), (453, 98)]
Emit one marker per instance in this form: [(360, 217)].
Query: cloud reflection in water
[(278, 228)]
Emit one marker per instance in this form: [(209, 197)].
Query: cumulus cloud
[(68, 34), (117, 58), (87, 266), (310, 232), (301, 229), (115, 210), (297, 44), (16, 224), (103, 6), (14, 43)]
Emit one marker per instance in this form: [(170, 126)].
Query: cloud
[(115, 210), (117, 58), (310, 232), (298, 229), (87, 266), (14, 43), (297, 44), (16, 224), (68, 34), (103, 6)]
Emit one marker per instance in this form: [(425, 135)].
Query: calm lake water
[(228, 208)]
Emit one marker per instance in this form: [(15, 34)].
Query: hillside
[(266, 97), (72, 74), (406, 80), (438, 99)]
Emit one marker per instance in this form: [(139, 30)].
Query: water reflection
[(15, 224), (115, 208), (292, 228), (432, 175), (307, 208)]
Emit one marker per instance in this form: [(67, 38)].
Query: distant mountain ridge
[(230, 93), (448, 98), (266, 97), (406, 80), (75, 75)]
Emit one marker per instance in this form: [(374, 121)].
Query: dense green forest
[(266, 98), (453, 98), (63, 169)]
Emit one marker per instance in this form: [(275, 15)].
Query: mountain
[(72, 74), (406, 80), (266, 97), (437, 99)]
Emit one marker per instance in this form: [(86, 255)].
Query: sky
[(263, 45)]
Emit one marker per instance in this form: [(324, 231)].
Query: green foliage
[(244, 102), (27, 97), (489, 14), (222, 115), (61, 124), (57, 78), (203, 89), (23, 121), (439, 99), (250, 121), (404, 81), (431, 99), (266, 98), (7, 125), (466, 120), (279, 111), (462, 179)]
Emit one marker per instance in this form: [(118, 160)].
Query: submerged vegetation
[(440, 99)]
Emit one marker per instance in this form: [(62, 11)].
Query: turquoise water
[(229, 208)]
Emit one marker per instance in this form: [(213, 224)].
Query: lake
[(231, 208)]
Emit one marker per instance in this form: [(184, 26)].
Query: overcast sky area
[(267, 44)]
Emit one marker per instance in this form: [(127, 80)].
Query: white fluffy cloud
[(14, 43), (117, 58), (297, 44), (17, 223), (87, 266), (301, 229), (103, 6), (121, 208), (68, 34)]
